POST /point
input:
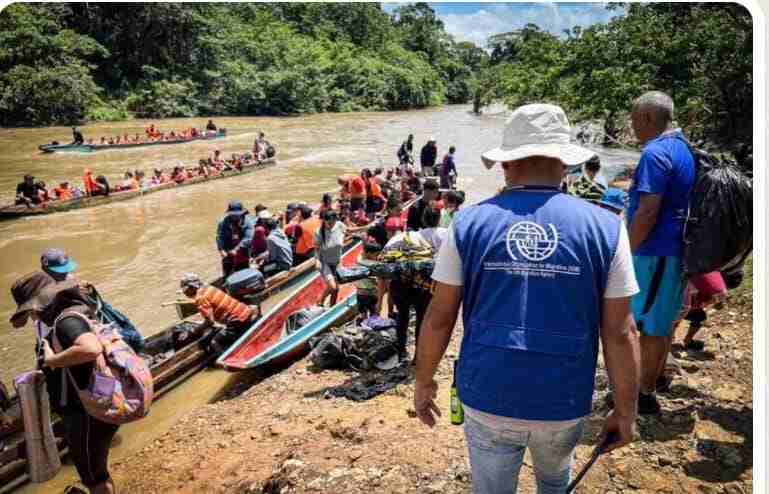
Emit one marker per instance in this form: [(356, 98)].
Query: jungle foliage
[(61, 63)]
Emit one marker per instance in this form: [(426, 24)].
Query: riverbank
[(288, 432)]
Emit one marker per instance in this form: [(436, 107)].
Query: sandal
[(696, 345)]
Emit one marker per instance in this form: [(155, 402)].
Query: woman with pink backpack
[(94, 380)]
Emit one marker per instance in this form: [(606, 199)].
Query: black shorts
[(374, 205), (89, 441)]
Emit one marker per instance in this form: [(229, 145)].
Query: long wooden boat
[(89, 148), (293, 345), (266, 340), (169, 368), (17, 211)]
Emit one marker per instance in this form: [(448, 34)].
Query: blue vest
[(535, 264)]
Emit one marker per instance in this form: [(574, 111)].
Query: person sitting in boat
[(27, 192), (128, 182), (210, 126), (259, 242), (179, 174), (159, 177), (77, 136), (111, 141), (91, 187), (589, 185), (103, 141), (233, 238), (42, 192), (279, 255), (304, 233), (63, 192), (217, 307)]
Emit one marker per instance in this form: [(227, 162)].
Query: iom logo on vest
[(529, 246), (531, 241)]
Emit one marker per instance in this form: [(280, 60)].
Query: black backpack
[(718, 229)]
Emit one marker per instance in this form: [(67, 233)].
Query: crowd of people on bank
[(541, 277), (35, 193)]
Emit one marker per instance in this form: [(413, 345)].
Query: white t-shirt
[(620, 283)]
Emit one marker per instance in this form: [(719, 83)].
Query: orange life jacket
[(306, 242)]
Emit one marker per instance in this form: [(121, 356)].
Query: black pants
[(220, 341), (405, 296), (232, 264), (89, 440)]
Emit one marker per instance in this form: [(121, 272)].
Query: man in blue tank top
[(659, 198), (540, 276)]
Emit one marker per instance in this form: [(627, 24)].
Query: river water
[(135, 251)]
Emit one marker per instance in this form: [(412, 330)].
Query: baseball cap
[(57, 260)]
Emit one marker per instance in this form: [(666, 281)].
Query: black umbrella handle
[(610, 438)]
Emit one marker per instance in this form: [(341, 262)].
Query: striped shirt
[(217, 306)]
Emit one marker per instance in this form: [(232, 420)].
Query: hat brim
[(569, 154), (65, 268)]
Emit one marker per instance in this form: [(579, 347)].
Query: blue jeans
[(496, 456)]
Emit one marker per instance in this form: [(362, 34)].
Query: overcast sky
[(477, 21)]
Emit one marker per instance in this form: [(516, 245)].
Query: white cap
[(537, 130), (264, 214)]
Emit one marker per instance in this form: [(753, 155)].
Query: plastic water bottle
[(457, 414)]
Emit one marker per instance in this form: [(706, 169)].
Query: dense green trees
[(699, 53), (61, 63)]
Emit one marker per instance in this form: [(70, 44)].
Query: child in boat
[(127, 183), (367, 289)]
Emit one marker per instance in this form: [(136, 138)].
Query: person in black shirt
[(427, 158), (77, 136), (406, 151), (431, 193), (28, 192), (43, 300), (210, 125)]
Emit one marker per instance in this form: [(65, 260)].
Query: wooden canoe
[(169, 368), (11, 212), (254, 347), (89, 148), (293, 345)]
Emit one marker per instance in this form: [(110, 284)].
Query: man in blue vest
[(659, 198), (540, 276)]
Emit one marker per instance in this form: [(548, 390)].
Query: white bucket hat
[(537, 130), (264, 214)]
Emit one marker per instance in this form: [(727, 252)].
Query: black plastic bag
[(719, 228)]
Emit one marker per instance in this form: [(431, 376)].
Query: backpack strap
[(58, 348)]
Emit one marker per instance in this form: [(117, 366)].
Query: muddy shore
[(288, 432)]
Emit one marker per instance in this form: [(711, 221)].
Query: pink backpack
[(121, 386)]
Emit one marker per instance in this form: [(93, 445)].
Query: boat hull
[(89, 148), (19, 211), (268, 331)]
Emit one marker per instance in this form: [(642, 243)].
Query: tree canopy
[(699, 53), (61, 63)]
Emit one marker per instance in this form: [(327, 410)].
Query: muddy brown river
[(135, 251)]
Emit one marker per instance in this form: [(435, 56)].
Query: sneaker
[(648, 404)]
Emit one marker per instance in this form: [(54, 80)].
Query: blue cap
[(614, 198), (57, 260)]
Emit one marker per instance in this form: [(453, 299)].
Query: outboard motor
[(245, 282)]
